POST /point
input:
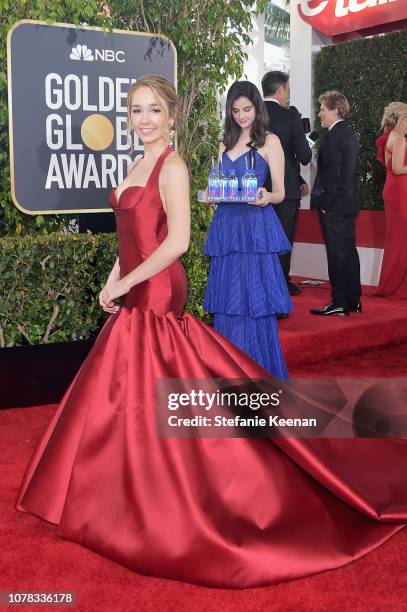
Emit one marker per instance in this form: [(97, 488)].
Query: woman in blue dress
[(246, 286)]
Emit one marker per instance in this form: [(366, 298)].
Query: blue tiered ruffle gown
[(246, 286)]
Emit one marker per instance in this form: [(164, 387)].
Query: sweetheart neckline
[(114, 190), (117, 199), (148, 180)]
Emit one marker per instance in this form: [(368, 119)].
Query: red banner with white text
[(333, 17)]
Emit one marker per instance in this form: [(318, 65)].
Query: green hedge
[(49, 285), (371, 72)]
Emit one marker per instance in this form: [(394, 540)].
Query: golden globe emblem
[(97, 132)]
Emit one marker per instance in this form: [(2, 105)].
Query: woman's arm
[(174, 181), (115, 272), (399, 147), (275, 157), (113, 276)]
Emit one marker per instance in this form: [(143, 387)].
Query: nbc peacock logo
[(81, 52)]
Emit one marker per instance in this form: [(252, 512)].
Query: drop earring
[(130, 140), (172, 137)]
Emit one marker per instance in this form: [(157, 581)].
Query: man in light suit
[(335, 195), (287, 125)]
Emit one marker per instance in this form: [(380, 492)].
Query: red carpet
[(381, 362), (34, 558), (383, 321)]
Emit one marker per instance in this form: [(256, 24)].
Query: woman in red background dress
[(392, 153), (232, 512)]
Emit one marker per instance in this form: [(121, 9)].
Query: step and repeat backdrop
[(69, 143)]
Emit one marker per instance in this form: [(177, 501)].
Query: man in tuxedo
[(335, 195), (287, 125)]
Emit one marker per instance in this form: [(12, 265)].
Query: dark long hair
[(260, 123)]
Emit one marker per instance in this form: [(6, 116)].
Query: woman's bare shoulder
[(272, 140), (395, 136), (174, 167)]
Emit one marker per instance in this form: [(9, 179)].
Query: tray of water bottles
[(222, 188)]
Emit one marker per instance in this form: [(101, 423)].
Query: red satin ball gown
[(393, 274), (219, 512)]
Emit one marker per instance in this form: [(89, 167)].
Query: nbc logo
[(81, 52)]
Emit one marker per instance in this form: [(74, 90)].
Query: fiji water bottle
[(213, 183), (252, 185), (246, 185), (233, 185), (222, 183), (246, 182), (223, 186)]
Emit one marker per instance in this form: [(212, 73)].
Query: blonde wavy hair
[(391, 114), (166, 96)]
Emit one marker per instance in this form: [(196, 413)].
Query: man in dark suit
[(287, 125), (335, 195)]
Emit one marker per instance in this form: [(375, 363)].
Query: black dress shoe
[(293, 288), (330, 310), (356, 307)]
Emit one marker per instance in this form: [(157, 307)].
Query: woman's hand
[(112, 309), (262, 197), (111, 291)]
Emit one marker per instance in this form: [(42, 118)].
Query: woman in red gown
[(220, 512), (392, 153)]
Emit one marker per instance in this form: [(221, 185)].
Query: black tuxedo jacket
[(336, 186), (287, 125)]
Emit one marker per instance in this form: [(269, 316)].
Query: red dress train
[(393, 274), (219, 512)]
